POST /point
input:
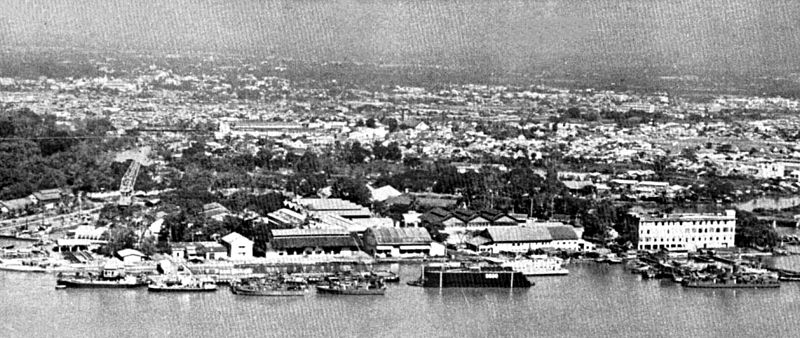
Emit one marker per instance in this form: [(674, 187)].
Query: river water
[(594, 300), (772, 203)]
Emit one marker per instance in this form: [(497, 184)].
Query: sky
[(584, 36)]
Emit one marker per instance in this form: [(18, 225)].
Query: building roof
[(499, 234), (321, 204), (301, 242), (383, 193), (16, 204), (562, 233), (234, 237), (436, 202), (391, 235), (48, 195), (403, 199), (309, 232), (130, 252)]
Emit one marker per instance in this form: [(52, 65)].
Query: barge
[(447, 276)]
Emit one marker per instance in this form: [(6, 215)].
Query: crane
[(126, 186)]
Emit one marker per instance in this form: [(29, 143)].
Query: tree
[(370, 123), (752, 232), (119, 238), (356, 154), (351, 189), (393, 152), (308, 163)]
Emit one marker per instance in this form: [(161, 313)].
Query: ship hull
[(98, 284), (478, 279), (152, 288), (267, 292), (349, 292)]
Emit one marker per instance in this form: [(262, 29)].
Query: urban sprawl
[(230, 168)]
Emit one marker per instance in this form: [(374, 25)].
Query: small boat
[(271, 287), (313, 277), (648, 273), (735, 282), (387, 276), (677, 278), (21, 266), (614, 259), (93, 282), (188, 284), (112, 277), (353, 287)]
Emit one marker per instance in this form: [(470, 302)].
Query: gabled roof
[(16, 204), (392, 235), (500, 234), (562, 233), (48, 195), (130, 252), (234, 237), (301, 242), (400, 200), (309, 232), (383, 193)]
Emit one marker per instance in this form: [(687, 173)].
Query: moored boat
[(21, 266), (95, 282), (372, 286), (112, 276), (187, 284), (386, 276), (445, 276), (737, 282), (279, 287)]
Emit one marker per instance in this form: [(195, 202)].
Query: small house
[(238, 246), (131, 256)]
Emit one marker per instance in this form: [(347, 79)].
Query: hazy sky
[(585, 35)]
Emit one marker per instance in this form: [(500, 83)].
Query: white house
[(131, 256), (239, 247)]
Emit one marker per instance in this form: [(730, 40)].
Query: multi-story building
[(690, 231)]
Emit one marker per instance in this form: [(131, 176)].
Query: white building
[(239, 247), (690, 231)]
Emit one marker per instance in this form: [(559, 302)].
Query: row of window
[(694, 230), (693, 239), (684, 223), (663, 246)]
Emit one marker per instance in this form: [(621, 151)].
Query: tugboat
[(271, 287), (445, 276), (112, 276), (358, 286), (186, 284)]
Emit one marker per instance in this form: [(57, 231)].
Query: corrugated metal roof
[(309, 232), (392, 235), (319, 204), (562, 233), (322, 241), (518, 234)]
